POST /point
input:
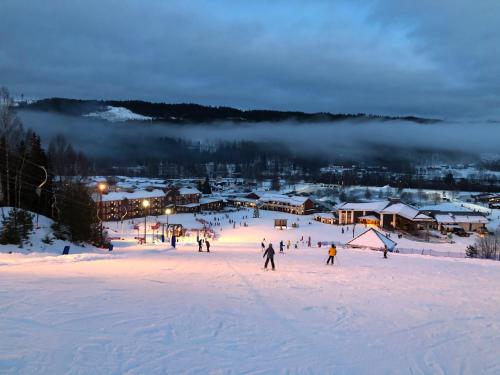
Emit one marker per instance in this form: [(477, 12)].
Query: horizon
[(390, 58)]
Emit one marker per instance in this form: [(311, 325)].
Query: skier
[(270, 256), (385, 251), (208, 245), (309, 241), (282, 245), (174, 241), (200, 245), (263, 245), (331, 254), (288, 245)]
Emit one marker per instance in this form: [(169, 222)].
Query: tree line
[(49, 183)]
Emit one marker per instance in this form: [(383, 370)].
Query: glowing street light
[(168, 211), (102, 188), (145, 204)]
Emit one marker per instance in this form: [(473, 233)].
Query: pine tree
[(16, 227), (78, 220), (275, 183), (206, 188)]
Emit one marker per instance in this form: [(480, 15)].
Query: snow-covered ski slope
[(151, 309)]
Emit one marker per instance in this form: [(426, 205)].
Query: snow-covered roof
[(376, 206), (406, 211), (445, 207), (372, 239), (138, 194), (189, 205), (206, 200), (294, 200), (454, 219), (188, 191)]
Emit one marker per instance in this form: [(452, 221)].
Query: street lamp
[(168, 211), (145, 204), (102, 188)]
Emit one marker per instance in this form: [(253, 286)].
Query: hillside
[(192, 113)]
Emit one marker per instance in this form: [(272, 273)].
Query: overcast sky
[(426, 57)]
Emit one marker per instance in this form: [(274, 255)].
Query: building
[(293, 205), (449, 215), (182, 196), (472, 223), (391, 214), (120, 205), (326, 218)]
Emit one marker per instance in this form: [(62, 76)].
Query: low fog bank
[(363, 140)]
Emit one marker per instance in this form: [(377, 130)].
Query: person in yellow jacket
[(332, 251)]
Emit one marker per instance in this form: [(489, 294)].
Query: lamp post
[(101, 187), (168, 211), (145, 204)]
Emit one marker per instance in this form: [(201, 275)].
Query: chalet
[(182, 196), (118, 205), (293, 205), (391, 214), (326, 218), (452, 215), (469, 223)]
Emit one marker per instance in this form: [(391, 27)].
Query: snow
[(138, 194), (118, 114), (376, 206), (454, 219), (446, 207), (150, 309), (189, 191), (274, 197)]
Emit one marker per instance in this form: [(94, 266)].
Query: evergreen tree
[(368, 194), (16, 227), (78, 220), (275, 183), (206, 188)]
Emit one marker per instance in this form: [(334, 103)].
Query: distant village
[(438, 214)]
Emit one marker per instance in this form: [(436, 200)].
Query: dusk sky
[(427, 58)]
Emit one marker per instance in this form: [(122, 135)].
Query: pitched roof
[(367, 206), (454, 219), (138, 194), (372, 239), (188, 190)]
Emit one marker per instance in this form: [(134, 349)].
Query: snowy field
[(150, 309)]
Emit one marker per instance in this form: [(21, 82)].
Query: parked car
[(460, 232)]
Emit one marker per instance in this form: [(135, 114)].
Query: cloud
[(340, 141), (391, 57)]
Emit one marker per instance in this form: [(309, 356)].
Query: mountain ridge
[(197, 113)]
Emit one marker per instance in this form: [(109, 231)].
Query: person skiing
[(207, 244), (270, 256), (385, 251), (332, 251), (288, 245), (282, 245), (263, 245), (200, 245), (174, 241)]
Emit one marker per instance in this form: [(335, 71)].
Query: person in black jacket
[(270, 256), (282, 245), (200, 245)]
